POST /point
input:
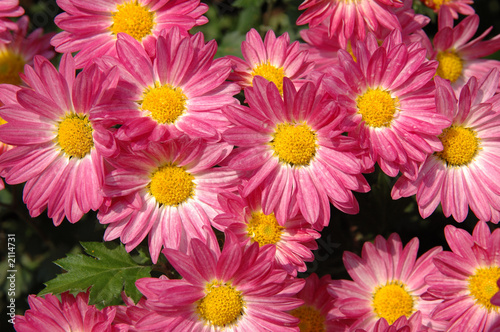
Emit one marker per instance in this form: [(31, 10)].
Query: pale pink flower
[(315, 313), (350, 18), (388, 95), (466, 279), (460, 176), (49, 314), (8, 8), (274, 58), (167, 192), (387, 283), (91, 27), (237, 289), (180, 91), (58, 144), (460, 57), (293, 147), (244, 217)]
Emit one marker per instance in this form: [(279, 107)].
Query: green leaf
[(107, 269)]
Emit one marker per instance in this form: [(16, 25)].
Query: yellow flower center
[(270, 73), (133, 19), (2, 121), (311, 320), (435, 4), (483, 285), (164, 103), (74, 135), (264, 229), (377, 107), (294, 144), (392, 301), (171, 185), (450, 65), (222, 304), (460, 145), (11, 64)]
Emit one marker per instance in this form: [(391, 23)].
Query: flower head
[(451, 7), (293, 147), (58, 145), (234, 290), (49, 314), (388, 95), (91, 28), (459, 176), (387, 283), (167, 191), (244, 217), (274, 59), (466, 279)]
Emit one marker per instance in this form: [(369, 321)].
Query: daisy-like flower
[(466, 279), (91, 28), (49, 314), (237, 289), (459, 57), (181, 91), (273, 59), (244, 217), (452, 7), (350, 17), (388, 94), (8, 8), (314, 314), (387, 283), (168, 191), (460, 175), (293, 147), (57, 145)]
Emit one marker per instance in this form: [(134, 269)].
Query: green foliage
[(107, 269)]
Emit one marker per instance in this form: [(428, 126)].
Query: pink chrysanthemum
[(244, 217), (466, 279), (57, 142), (314, 314), (273, 59), (402, 324), (180, 91), (460, 175), (234, 290), (451, 7), (388, 282), (91, 27), (459, 57), (49, 314), (8, 8), (350, 17), (168, 191), (388, 94), (293, 147)]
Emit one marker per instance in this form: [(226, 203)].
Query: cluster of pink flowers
[(143, 126)]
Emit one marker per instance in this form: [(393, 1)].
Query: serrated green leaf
[(108, 270)]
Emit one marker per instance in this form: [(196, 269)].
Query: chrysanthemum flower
[(234, 290), (273, 59), (350, 17), (57, 143), (402, 324), (181, 91), (49, 314), (459, 57), (244, 217), (314, 314), (460, 175), (389, 97), (466, 279), (293, 147), (91, 27), (452, 7), (168, 191), (388, 282), (8, 8)]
